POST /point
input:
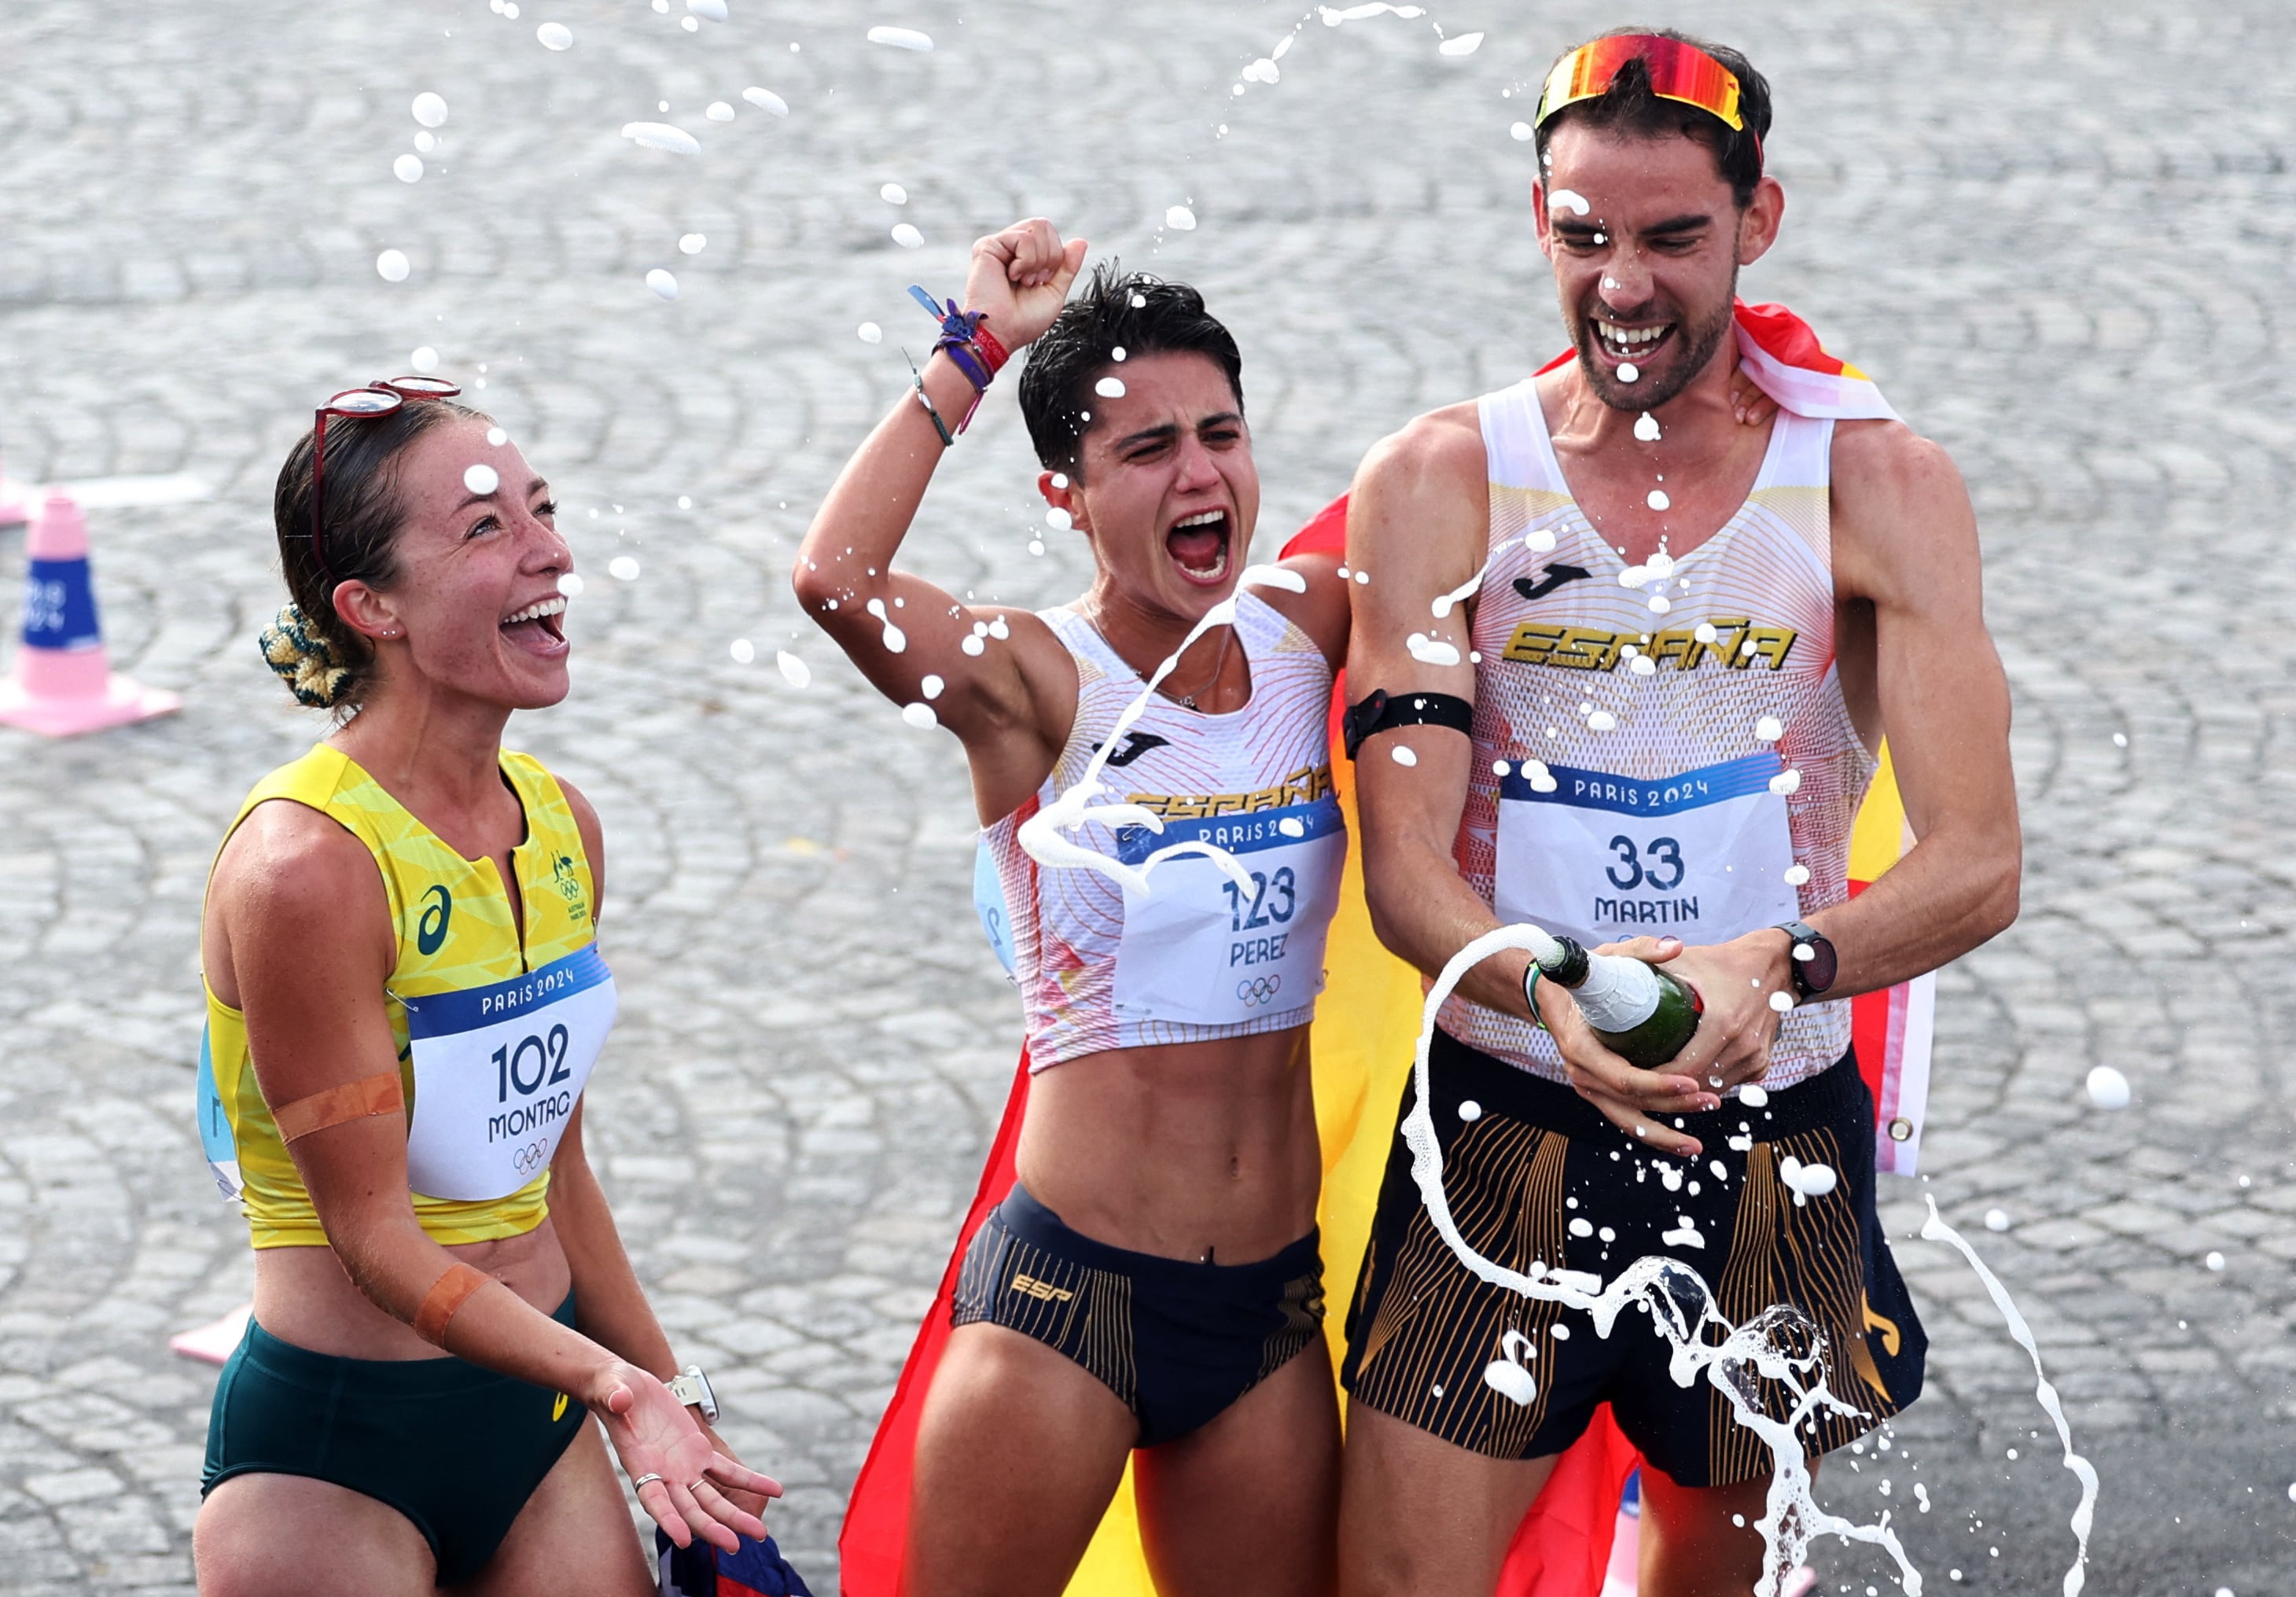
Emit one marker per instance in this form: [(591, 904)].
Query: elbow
[(813, 587), (1998, 901)]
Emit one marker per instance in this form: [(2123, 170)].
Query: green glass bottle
[(1644, 1014)]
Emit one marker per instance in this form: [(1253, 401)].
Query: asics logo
[(430, 931), (1136, 744), (1043, 1291), (1259, 990)]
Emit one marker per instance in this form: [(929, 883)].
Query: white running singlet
[(1199, 957), (1660, 750)]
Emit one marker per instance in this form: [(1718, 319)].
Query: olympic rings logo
[(1259, 990), (531, 1158)]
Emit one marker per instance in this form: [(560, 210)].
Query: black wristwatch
[(1814, 962)]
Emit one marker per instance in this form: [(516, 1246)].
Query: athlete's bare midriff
[(1181, 1149), (304, 1295)]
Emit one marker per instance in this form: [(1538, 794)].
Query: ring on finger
[(643, 1481), (699, 1482)]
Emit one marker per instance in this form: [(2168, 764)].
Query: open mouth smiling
[(1199, 545), (1622, 343), (539, 626)]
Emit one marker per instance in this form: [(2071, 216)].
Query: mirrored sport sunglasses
[(1677, 71), (378, 399)]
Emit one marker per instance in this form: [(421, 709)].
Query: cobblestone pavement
[(2059, 235)]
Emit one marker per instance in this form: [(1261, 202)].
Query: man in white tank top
[(1151, 1289), (1655, 714)]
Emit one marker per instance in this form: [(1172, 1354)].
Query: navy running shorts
[(1534, 1174), (1177, 1341)]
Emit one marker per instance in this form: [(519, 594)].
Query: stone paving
[(2059, 236)]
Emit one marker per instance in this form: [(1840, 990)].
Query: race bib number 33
[(497, 1072), (1701, 856)]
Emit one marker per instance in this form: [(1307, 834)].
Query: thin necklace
[(1219, 664)]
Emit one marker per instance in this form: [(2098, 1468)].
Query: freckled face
[(477, 593)]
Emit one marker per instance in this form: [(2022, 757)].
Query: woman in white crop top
[(1152, 1282)]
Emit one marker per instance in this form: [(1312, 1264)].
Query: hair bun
[(303, 660)]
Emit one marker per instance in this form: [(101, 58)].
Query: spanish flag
[(1367, 1024)]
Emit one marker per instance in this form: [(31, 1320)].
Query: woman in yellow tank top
[(404, 997)]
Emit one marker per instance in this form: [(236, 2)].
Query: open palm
[(655, 1435)]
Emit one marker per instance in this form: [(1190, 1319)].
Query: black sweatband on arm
[(1383, 713)]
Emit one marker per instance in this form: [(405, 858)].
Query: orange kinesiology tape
[(447, 1294), (377, 1095)]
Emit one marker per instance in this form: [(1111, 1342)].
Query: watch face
[(1817, 972)]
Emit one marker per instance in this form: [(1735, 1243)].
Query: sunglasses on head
[(378, 399), (1677, 71)]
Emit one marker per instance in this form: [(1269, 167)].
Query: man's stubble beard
[(1698, 342)]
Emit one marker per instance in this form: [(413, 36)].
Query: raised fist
[(1020, 278)]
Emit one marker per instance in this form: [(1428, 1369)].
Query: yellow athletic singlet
[(459, 953)]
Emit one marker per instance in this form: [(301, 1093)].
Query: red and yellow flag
[(1366, 1025)]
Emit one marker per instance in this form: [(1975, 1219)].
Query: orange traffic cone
[(63, 681)]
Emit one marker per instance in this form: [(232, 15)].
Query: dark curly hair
[(1129, 311)]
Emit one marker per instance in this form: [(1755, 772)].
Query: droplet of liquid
[(1521, 133), (920, 716), (901, 39), (429, 109), (408, 168), (765, 99), (932, 685), (1629, 372), (1569, 199), (556, 35), (482, 479), (1179, 218), (794, 671), (906, 236), (1646, 428), (893, 193), (1059, 519), (424, 358), (719, 111), (623, 567), (715, 10), (1781, 1003), (2215, 1260), (1786, 784), (897, 642), (1510, 1381), (498, 438), (391, 266), (662, 284), (1601, 720), (1661, 603), (1109, 387), (1466, 43), (2108, 1088), (570, 583), (742, 651), (871, 333), (661, 135), (1402, 756), (424, 144), (1658, 500), (1996, 1219), (1793, 876), (693, 243), (1770, 729), (1754, 1095)]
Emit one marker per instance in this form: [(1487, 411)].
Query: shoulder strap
[(1517, 450)]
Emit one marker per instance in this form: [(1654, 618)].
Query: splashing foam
[(1935, 1230), (1043, 834)]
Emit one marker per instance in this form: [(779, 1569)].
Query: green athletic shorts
[(455, 1448)]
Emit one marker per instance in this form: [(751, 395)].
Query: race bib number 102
[(497, 1072)]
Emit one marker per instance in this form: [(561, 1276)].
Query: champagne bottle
[(1642, 1013)]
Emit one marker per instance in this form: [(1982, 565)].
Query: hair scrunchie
[(303, 660)]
